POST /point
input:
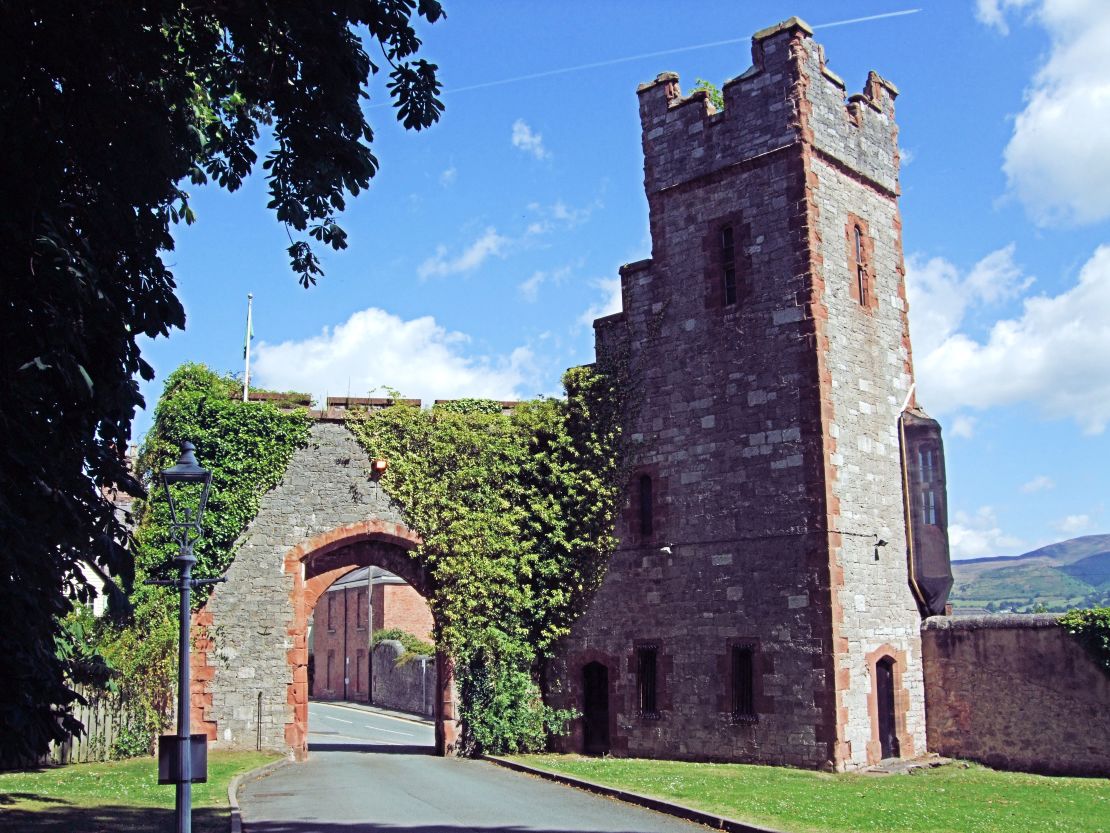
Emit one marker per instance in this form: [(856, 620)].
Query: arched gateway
[(250, 664)]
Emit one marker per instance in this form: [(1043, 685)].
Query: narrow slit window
[(743, 683), (647, 506), (331, 611), (647, 680), (861, 269), (728, 265)]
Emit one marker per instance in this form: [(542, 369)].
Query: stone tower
[(758, 607)]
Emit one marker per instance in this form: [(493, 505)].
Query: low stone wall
[(1015, 692), (409, 687)]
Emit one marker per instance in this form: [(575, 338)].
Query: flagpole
[(247, 348)]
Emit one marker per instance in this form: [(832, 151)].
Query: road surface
[(369, 773)]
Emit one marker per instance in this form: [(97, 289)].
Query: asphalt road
[(368, 773)]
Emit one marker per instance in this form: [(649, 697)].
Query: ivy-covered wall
[(503, 520)]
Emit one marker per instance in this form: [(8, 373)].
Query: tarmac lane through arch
[(369, 772)]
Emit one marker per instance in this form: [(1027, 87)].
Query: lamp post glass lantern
[(186, 487)]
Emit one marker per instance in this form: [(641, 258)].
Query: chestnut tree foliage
[(109, 111)]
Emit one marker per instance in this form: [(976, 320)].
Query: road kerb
[(233, 789), (650, 802)]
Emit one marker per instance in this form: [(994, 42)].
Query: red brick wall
[(343, 612), (402, 607)]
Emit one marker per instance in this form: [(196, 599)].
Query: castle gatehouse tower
[(759, 606)]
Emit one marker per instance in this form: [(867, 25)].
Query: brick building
[(759, 606), (341, 625)]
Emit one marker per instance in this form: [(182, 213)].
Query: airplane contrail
[(613, 61)]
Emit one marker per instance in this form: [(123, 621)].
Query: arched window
[(647, 506)]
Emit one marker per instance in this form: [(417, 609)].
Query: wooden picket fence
[(107, 717)]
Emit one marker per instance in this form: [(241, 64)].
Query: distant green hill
[(1073, 573)]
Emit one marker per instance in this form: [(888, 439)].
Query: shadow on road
[(380, 748), (370, 827), (111, 819)]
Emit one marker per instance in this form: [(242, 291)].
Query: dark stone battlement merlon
[(787, 97)]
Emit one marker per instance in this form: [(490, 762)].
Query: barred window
[(743, 683), (647, 681)]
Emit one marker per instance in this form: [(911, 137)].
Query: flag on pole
[(250, 330), (247, 349)]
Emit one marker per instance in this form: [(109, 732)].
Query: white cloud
[(979, 536), (375, 349), (530, 288), (490, 244), (993, 12), (609, 303), (1058, 159), (448, 177), (1052, 357), (1073, 524), (1040, 483), (530, 142), (963, 426)]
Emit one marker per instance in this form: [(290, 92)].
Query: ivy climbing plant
[(516, 513), (247, 446)]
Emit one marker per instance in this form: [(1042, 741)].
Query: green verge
[(116, 796), (950, 799)]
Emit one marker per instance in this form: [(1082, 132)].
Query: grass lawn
[(116, 796), (949, 799)]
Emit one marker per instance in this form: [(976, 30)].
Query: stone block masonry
[(768, 357), (1016, 692)]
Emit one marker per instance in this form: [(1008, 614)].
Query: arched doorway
[(884, 701), (314, 566), (595, 709)]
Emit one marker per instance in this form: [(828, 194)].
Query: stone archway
[(313, 566), (328, 515)]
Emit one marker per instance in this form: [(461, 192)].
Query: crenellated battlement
[(787, 97)]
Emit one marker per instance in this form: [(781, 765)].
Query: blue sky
[(487, 244)]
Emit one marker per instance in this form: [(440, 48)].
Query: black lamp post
[(177, 762)]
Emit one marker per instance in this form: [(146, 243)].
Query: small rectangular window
[(360, 665), (743, 683), (647, 681), (360, 620), (331, 665), (331, 611), (728, 265), (647, 506)]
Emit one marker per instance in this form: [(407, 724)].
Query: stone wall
[(1015, 692), (766, 427), (409, 687)]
